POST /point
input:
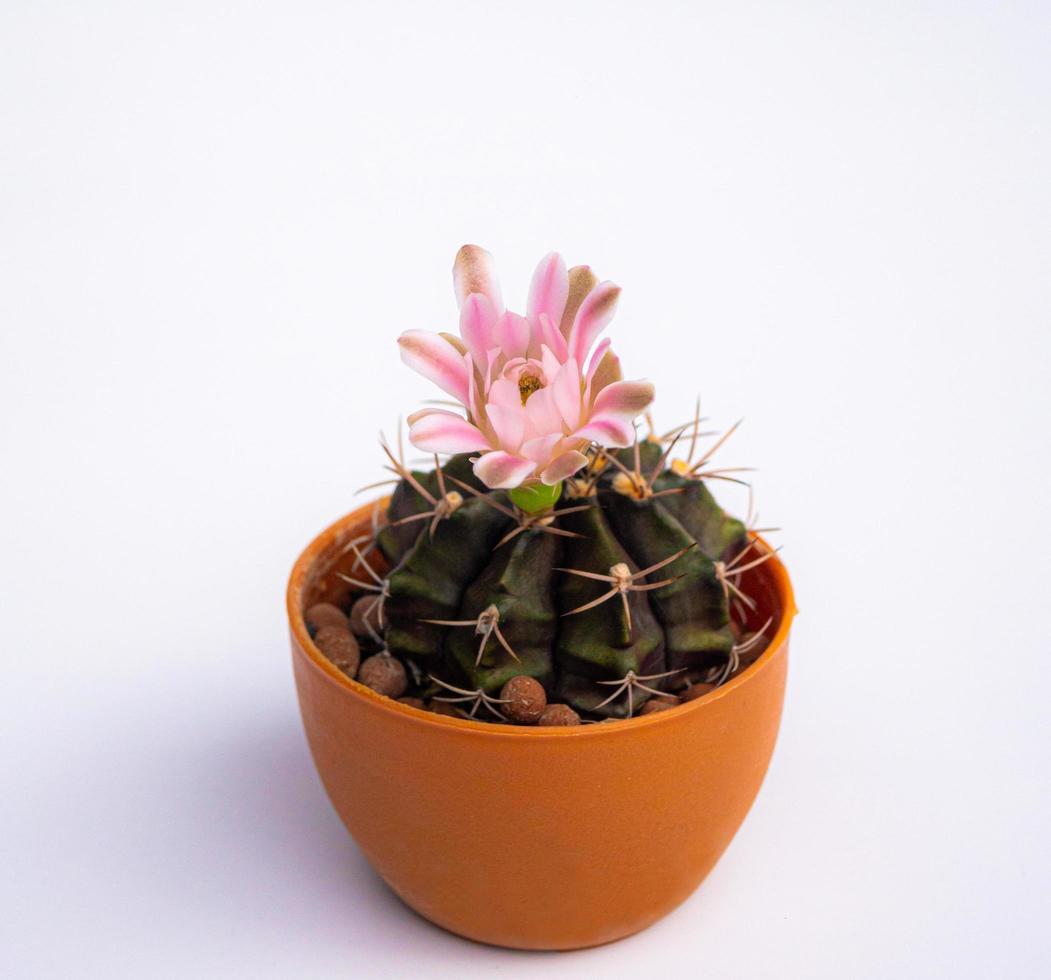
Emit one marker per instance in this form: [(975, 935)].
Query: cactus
[(552, 547), (603, 599)]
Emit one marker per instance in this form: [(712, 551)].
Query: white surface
[(214, 219)]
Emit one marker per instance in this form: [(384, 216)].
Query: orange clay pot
[(537, 838)]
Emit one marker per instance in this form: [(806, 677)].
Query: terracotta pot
[(537, 838)]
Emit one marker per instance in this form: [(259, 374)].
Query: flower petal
[(508, 422), (594, 314), (623, 400), (613, 433), (581, 281), (603, 371), (437, 431), (565, 390), (476, 400), (437, 360), (596, 358), (451, 338), (477, 318), (503, 471), (475, 272), (511, 332), (551, 337), (550, 364), (542, 449), (549, 289), (504, 393), (562, 467), (542, 414)]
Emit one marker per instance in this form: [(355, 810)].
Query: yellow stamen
[(527, 384)]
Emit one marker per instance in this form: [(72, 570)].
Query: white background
[(833, 219)]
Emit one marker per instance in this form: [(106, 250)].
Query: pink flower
[(535, 394)]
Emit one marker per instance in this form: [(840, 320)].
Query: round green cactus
[(601, 597)]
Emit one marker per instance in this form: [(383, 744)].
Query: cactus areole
[(550, 541)]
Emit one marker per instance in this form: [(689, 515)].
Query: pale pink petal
[(475, 272), (444, 432), (623, 400), (511, 332), (477, 318), (437, 360), (604, 373), (594, 314), (454, 340), (503, 471), (607, 431), (551, 364), (475, 394), (533, 350), (497, 363), (590, 389), (562, 467), (542, 414), (581, 281), (551, 337), (549, 289), (596, 357), (505, 393), (542, 449), (508, 422), (423, 412), (472, 382), (565, 390)]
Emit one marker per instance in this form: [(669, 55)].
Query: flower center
[(527, 384)]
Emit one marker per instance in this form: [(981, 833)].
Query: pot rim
[(319, 662)]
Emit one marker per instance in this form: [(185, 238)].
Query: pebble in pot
[(524, 699), (654, 705), (384, 674), (699, 690), (364, 614), (336, 643), (325, 614), (558, 715)]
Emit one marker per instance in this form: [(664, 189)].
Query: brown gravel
[(695, 691), (336, 643), (364, 608), (678, 682), (750, 656), (384, 674), (525, 699), (559, 715), (443, 708), (413, 703), (325, 614), (654, 705)]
